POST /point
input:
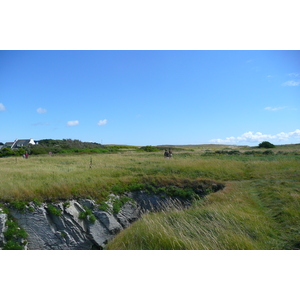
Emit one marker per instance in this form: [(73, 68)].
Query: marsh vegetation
[(259, 208)]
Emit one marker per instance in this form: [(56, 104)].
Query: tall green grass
[(62, 177), (229, 219), (258, 209)]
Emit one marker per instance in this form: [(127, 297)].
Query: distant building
[(18, 143), (7, 145)]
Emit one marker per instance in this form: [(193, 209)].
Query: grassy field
[(258, 209)]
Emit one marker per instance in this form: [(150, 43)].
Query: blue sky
[(151, 97)]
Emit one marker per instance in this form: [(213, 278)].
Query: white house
[(18, 143)]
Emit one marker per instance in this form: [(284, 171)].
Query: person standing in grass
[(166, 154)]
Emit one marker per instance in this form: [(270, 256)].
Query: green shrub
[(53, 210), (19, 205), (13, 231), (234, 152), (36, 202), (82, 215), (136, 187), (249, 152), (231, 152), (4, 152), (37, 149), (20, 151), (268, 152), (118, 203), (12, 245), (103, 206), (266, 144), (66, 204), (172, 191), (92, 218), (87, 214), (12, 234), (149, 149), (118, 189)]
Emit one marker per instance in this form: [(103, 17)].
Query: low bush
[(13, 235), (20, 205), (87, 214), (266, 144), (103, 206), (118, 203), (268, 152), (12, 245), (13, 231), (53, 210), (4, 152), (149, 149)]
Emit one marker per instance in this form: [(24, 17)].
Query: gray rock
[(70, 231), (108, 221), (41, 232), (99, 234), (129, 213), (150, 203), (3, 219), (46, 231), (88, 203)]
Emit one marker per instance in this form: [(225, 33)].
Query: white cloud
[(291, 83), (275, 108), (41, 110), (2, 107), (251, 137), (102, 122), (73, 123)]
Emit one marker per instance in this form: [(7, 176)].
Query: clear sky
[(151, 97)]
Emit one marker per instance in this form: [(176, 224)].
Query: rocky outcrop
[(3, 219), (82, 225), (68, 229)]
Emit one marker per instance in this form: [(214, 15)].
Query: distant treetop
[(68, 144), (266, 144)]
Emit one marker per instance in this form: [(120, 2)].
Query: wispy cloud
[(294, 74), (275, 108), (41, 110), (72, 123), (102, 122), (2, 107), (251, 137), (291, 83)]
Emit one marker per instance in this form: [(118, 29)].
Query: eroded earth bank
[(84, 224)]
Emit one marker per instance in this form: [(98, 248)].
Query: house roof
[(8, 144), (22, 142)]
